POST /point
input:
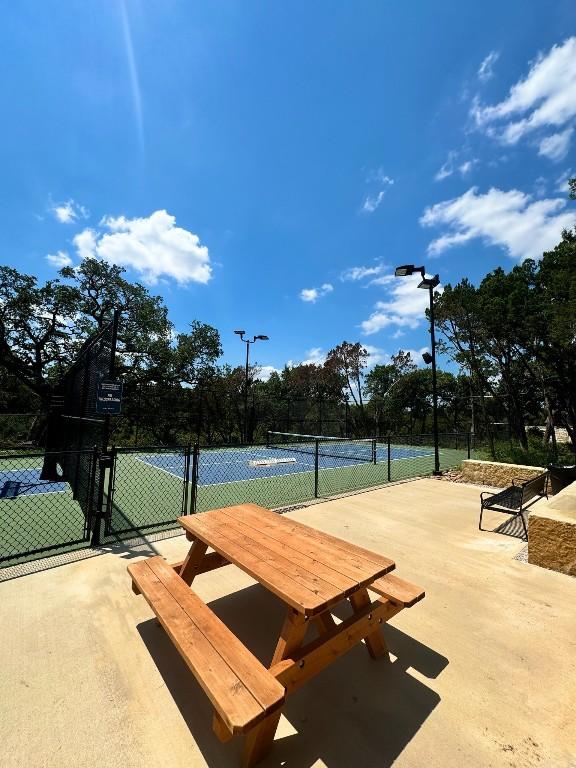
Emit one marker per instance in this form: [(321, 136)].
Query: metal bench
[(515, 499)]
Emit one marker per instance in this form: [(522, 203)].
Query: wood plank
[(319, 653), (244, 665), (193, 561), (374, 640), (210, 562), (398, 590), (262, 569), (224, 526), (344, 556), (327, 539), (228, 694), (259, 740), (342, 583)]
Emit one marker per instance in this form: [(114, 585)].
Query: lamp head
[(404, 271), (240, 333), (427, 357), (262, 338), (429, 282)]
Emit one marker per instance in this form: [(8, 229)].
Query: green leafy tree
[(42, 328)]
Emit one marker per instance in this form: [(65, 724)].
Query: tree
[(43, 327)]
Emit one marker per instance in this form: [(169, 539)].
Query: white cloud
[(69, 212), (313, 294), (511, 220), (265, 371), (314, 356), (59, 259), (486, 69), (405, 306), (450, 166), (354, 274), (562, 181), (557, 145), (152, 246), (545, 98), (467, 166), (373, 201)]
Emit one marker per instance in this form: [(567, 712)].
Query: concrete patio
[(483, 674)]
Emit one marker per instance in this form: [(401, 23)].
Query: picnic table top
[(306, 568)]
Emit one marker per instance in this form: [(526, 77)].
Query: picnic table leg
[(193, 561), (375, 640), (260, 739)]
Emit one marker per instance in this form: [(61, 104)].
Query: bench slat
[(242, 691), (397, 590)]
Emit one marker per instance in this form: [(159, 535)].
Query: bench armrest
[(487, 493)]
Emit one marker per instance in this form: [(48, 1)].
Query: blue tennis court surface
[(229, 465), (26, 482)]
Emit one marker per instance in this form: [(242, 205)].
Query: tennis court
[(41, 517), (243, 464)]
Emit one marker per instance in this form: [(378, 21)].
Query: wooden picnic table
[(309, 571)]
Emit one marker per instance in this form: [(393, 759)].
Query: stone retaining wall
[(496, 473), (552, 532)]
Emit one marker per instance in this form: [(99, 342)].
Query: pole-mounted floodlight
[(428, 283), (408, 269), (261, 337)]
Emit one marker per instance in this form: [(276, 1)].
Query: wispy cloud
[(153, 246), (525, 228), (353, 274), (379, 179), (404, 307), (557, 145), (451, 166), (486, 69), (313, 294), (544, 99), (69, 212)]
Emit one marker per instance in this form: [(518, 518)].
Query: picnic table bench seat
[(242, 691), (398, 590), (515, 499)]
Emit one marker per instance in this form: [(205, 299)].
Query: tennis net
[(353, 449)]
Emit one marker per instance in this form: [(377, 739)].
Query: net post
[(389, 460), (268, 438), (316, 453)]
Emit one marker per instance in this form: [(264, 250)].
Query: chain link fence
[(40, 516)]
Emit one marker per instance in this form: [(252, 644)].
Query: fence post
[(96, 488), (195, 467), (389, 460), (316, 469), (374, 452), (468, 443)]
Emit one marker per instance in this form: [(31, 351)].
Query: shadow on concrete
[(512, 527), (356, 712)]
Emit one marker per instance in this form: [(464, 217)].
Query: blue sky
[(266, 165)]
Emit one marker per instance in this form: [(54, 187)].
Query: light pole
[(428, 283), (247, 342)]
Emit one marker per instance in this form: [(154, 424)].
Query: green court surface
[(148, 498)]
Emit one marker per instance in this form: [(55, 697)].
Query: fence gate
[(145, 489)]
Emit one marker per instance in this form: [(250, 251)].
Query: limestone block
[(496, 473)]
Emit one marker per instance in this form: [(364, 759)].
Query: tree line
[(511, 340)]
